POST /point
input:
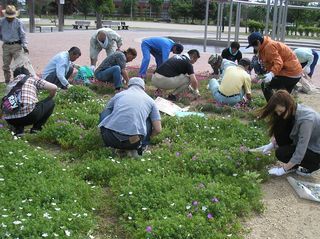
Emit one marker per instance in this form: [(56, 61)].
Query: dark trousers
[(313, 64), (38, 117), (277, 83), (52, 78), (284, 152)]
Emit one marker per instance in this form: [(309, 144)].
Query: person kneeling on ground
[(32, 111), (130, 118), (111, 69), (232, 53), (177, 74), (219, 65), (235, 84), (296, 132)]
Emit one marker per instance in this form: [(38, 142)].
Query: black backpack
[(11, 103)]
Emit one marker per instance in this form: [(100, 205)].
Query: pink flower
[(189, 215), (195, 203), (214, 200), (209, 216), (148, 229), (177, 154)]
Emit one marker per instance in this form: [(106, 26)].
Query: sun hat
[(136, 81), (253, 37), (10, 11)]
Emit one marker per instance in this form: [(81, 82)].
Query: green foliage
[(255, 26), (40, 197)]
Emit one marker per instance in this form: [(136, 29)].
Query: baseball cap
[(136, 81), (253, 37)]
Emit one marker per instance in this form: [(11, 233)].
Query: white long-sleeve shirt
[(304, 55)]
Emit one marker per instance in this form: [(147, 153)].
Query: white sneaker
[(132, 153)]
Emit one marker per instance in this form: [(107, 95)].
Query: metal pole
[(284, 22), (221, 19), (131, 10), (60, 16), (237, 26), (274, 19), (280, 20), (218, 21), (206, 27), (266, 29), (230, 21), (31, 16)]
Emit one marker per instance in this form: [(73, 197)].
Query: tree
[(198, 11), (102, 7), (128, 6), (84, 6), (156, 5), (180, 8)]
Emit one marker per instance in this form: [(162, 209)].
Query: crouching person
[(235, 84), (130, 118), (296, 130), (32, 112)]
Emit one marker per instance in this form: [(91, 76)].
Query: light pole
[(131, 10)]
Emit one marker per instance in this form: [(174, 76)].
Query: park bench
[(119, 25), (81, 24), (41, 28)]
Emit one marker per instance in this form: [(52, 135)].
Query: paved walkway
[(44, 45)]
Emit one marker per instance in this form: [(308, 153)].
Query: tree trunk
[(99, 20)]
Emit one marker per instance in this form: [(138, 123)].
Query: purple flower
[(214, 200), (189, 215), (1, 125), (177, 154), (209, 216), (257, 158), (148, 229), (195, 203)]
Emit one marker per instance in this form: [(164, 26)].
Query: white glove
[(306, 70), (265, 149), (277, 171), (268, 77), (69, 86), (92, 67)]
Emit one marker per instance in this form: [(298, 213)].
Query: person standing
[(308, 59), (130, 118), (14, 39), (113, 68), (177, 74), (103, 38), (160, 48), (232, 53), (60, 67), (284, 69)]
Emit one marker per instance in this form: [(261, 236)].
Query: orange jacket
[(278, 58)]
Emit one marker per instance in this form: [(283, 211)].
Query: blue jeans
[(214, 88), (146, 51), (110, 74)]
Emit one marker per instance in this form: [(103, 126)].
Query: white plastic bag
[(305, 190)]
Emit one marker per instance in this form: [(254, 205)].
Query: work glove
[(92, 67), (25, 49), (265, 149), (268, 77), (306, 70), (69, 86), (194, 91), (277, 171)]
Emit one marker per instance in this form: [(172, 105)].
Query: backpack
[(11, 103)]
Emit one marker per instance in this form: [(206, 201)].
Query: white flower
[(29, 214), (17, 222), (172, 204), (130, 193), (3, 225), (57, 209), (1, 179), (144, 208), (67, 232), (130, 218), (204, 208), (47, 215), (55, 234), (53, 204), (44, 234), (149, 170), (91, 237), (40, 172), (121, 195), (1, 166), (88, 168), (188, 207), (142, 160)]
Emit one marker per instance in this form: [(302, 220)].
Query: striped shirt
[(29, 96), (12, 31)]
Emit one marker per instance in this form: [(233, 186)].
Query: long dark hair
[(282, 98)]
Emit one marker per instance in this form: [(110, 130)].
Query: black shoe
[(305, 172), (18, 131), (172, 97)]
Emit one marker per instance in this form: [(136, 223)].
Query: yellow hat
[(10, 11)]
